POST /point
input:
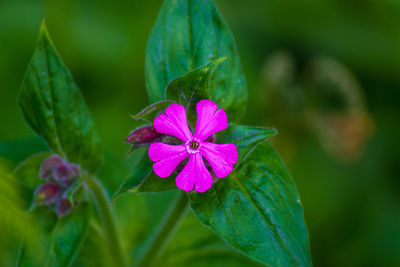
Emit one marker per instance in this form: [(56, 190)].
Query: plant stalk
[(113, 238), (165, 231)]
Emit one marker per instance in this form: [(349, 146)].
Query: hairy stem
[(165, 231), (103, 205)]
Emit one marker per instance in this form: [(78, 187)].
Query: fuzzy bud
[(63, 207), (48, 165), (143, 136), (47, 193)]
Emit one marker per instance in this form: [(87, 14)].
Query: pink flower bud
[(143, 136), (47, 166), (47, 193), (63, 207)]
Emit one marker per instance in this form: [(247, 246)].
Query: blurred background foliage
[(324, 73)]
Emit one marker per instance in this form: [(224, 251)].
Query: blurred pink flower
[(221, 157)]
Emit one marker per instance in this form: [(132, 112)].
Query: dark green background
[(352, 209)]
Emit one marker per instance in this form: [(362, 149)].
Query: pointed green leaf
[(143, 179), (55, 109), (192, 87), (256, 209), (187, 35), (245, 138), (150, 112)]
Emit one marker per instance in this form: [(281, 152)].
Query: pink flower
[(221, 157)]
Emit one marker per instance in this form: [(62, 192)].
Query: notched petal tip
[(221, 157), (209, 119), (194, 175)]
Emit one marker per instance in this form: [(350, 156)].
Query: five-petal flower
[(221, 157)]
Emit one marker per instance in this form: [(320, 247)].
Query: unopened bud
[(61, 172), (48, 165), (66, 174), (75, 171), (143, 136), (63, 207), (47, 193)]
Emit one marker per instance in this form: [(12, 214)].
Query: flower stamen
[(194, 145)]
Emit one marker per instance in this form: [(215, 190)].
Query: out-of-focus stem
[(103, 205)]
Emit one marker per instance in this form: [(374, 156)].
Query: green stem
[(103, 205), (165, 231)]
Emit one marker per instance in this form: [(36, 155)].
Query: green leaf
[(150, 112), (187, 35), (14, 222), (61, 237), (27, 172), (95, 244), (55, 109), (143, 179), (18, 150), (257, 210), (192, 87), (245, 138)]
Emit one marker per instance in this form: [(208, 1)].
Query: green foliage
[(150, 112), (27, 172), (245, 138), (193, 86), (60, 240), (257, 210), (203, 248), (186, 36), (143, 179), (54, 107), (14, 223), (94, 245)]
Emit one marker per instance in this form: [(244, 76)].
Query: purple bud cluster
[(59, 175)]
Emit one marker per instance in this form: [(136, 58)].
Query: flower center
[(193, 146)]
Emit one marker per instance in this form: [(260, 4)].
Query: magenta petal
[(220, 156), (209, 120), (195, 174), (168, 157), (173, 122)]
